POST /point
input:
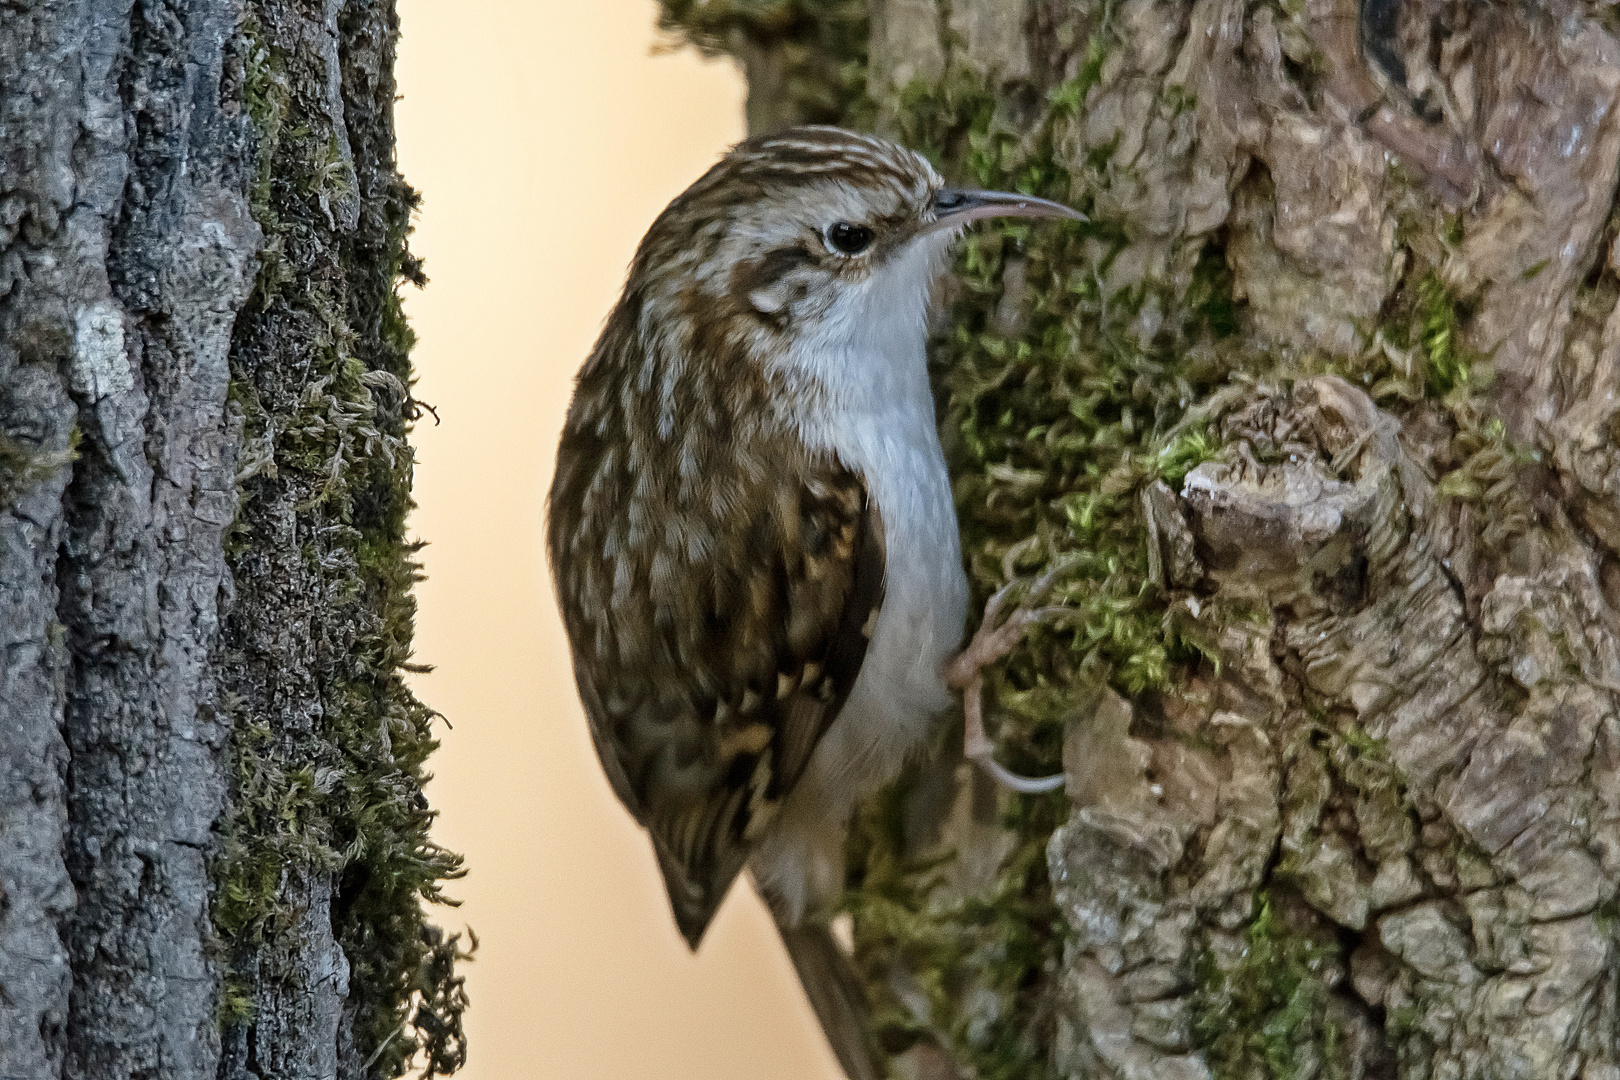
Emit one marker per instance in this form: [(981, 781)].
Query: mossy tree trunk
[(213, 840), (1319, 413)]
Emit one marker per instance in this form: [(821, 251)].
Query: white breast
[(900, 688), (876, 413)]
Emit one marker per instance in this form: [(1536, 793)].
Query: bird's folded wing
[(746, 670)]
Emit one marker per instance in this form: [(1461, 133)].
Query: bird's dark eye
[(849, 239)]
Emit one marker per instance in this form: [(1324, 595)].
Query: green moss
[(236, 1003), (1421, 360), (1420, 351), (1185, 453), (1264, 1013), (1053, 430), (321, 371), (267, 97), (1404, 1022), (1367, 783), (1449, 365), (1488, 470), (1071, 93), (22, 466)]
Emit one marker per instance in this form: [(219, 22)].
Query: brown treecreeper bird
[(752, 531)]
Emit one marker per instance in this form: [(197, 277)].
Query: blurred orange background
[(544, 138)]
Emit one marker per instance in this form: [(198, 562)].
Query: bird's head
[(813, 227)]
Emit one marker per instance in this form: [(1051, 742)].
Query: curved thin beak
[(954, 207)]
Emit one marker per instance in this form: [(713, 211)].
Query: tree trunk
[(213, 840), (1318, 415)]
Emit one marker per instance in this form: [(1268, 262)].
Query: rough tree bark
[(213, 841), (1319, 412)]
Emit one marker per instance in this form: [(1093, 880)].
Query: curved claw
[(995, 639), (1028, 785), (977, 747)]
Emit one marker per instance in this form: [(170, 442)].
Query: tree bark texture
[(1318, 417), (212, 833)]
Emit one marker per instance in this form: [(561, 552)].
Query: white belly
[(900, 691)]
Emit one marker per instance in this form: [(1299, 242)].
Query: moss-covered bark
[(1318, 414), (213, 839), (325, 857)]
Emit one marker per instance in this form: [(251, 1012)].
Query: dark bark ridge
[(1319, 412), (146, 712)]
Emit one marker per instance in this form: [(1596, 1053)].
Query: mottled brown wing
[(707, 697)]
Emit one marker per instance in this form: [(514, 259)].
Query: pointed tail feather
[(835, 994), (692, 901)]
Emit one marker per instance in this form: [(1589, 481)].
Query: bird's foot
[(995, 638)]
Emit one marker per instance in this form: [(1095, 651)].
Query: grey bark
[(122, 272), (135, 190), (1411, 745)]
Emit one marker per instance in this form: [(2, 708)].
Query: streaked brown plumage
[(750, 526)]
